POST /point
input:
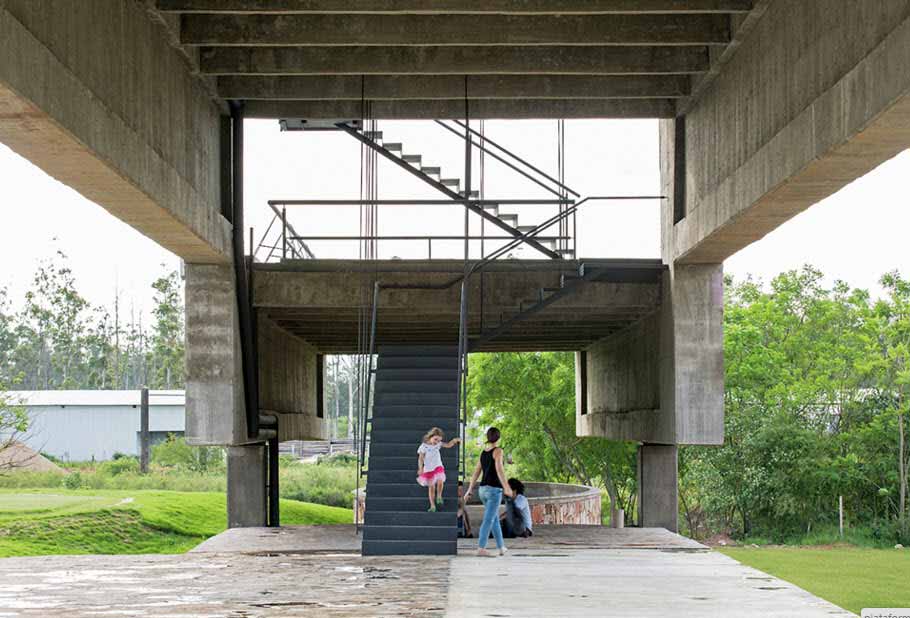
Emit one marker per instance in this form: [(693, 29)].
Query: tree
[(531, 398), (13, 426), (167, 341)]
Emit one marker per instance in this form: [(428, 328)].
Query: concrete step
[(409, 548), (405, 518), (511, 219), (414, 410), (432, 170), (417, 373), (407, 504), (410, 533), (430, 399), (419, 362), (413, 159), (408, 449), (404, 463), (449, 424), (394, 146)]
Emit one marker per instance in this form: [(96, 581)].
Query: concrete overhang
[(325, 302)]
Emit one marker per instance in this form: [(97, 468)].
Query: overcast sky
[(855, 235)]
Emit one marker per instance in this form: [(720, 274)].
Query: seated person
[(464, 522), (516, 521)]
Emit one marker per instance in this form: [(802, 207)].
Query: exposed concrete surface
[(215, 409), (622, 583), (246, 486), (343, 539), (658, 479), (92, 93), (662, 576), (814, 97), (288, 376)]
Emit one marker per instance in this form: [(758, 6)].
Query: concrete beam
[(457, 30), (515, 7), (820, 99), (396, 87), (215, 409), (246, 491), (658, 489), (434, 60), (116, 116), (433, 109)]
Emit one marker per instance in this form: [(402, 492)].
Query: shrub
[(176, 453), (72, 481), (321, 484), (118, 465)]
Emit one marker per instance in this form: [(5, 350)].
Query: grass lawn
[(851, 577), (41, 522)]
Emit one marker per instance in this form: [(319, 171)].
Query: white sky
[(855, 235)]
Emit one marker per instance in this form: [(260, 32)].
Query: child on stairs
[(430, 472)]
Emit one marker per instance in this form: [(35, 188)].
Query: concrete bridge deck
[(562, 571)]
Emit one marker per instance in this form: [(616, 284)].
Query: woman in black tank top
[(492, 485)]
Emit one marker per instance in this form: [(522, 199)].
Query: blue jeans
[(491, 497)]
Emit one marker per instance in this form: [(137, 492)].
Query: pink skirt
[(433, 476)]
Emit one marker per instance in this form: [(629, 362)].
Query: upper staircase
[(415, 389)]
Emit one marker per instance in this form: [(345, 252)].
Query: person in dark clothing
[(464, 522), (516, 521)]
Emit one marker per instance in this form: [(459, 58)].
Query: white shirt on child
[(431, 456)]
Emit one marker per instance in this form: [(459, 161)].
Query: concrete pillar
[(246, 492), (657, 486)]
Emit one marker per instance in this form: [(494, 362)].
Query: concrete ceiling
[(418, 58)]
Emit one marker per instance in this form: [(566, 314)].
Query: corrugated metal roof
[(95, 398)]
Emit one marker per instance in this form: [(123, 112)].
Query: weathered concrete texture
[(343, 539), (815, 96), (321, 301), (623, 386), (215, 409), (692, 353), (288, 379), (91, 93), (661, 379), (658, 500), (246, 491), (561, 571), (623, 583)]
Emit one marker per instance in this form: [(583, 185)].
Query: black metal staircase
[(451, 187), (415, 389)]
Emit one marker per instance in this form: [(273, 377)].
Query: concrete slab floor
[(572, 571)]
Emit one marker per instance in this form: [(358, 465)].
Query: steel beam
[(434, 60), (397, 87), (416, 7), (454, 29), (483, 108)]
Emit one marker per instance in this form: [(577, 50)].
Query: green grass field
[(851, 577), (42, 522)]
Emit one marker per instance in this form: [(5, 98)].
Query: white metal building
[(82, 425)]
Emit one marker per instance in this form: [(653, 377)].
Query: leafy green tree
[(531, 398), (167, 340), (13, 427)]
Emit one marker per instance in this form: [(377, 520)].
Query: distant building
[(86, 425)]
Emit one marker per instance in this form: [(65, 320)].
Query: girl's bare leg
[(431, 491), (439, 487)]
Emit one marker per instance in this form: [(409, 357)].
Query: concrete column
[(657, 486), (246, 493)]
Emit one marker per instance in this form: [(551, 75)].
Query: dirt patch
[(18, 456), (720, 540)]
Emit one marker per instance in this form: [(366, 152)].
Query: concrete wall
[(83, 433), (215, 409), (623, 388), (814, 97), (93, 94), (658, 493), (662, 379), (288, 382)]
